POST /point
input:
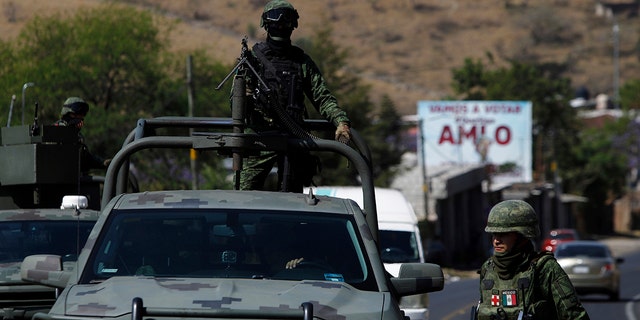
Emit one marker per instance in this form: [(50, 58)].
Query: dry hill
[(404, 48)]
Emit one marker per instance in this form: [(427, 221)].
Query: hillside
[(403, 48)]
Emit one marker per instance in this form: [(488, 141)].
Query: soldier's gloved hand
[(343, 132), (292, 264)]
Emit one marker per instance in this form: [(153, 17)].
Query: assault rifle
[(245, 61)]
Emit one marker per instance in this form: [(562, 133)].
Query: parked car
[(558, 236), (591, 267)]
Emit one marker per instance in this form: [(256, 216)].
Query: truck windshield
[(19, 239), (254, 244)]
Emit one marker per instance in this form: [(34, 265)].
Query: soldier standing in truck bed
[(292, 75)]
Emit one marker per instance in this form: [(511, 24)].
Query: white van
[(400, 239)]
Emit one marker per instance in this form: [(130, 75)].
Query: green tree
[(603, 158), (116, 58), (107, 55), (630, 94), (555, 123), (384, 139), (591, 162), (377, 126)]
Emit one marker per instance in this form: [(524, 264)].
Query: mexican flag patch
[(509, 298)]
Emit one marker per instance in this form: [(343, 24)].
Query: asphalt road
[(454, 302)]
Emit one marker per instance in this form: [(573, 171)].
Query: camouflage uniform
[(277, 56), (533, 282)]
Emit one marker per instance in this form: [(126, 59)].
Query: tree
[(602, 161), (115, 58), (591, 162), (378, 127), (555, 123), (385, 141), (630, 94)]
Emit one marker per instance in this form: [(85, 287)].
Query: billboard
[(495, 133)]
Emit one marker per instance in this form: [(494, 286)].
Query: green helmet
[(513, 215), (74, 105), (281, 12)]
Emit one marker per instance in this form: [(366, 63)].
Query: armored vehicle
[(230, 253), (38, 168)]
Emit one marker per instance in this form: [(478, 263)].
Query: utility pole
[(192, 152), (616, 64)]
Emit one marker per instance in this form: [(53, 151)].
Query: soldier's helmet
[(74, 105), (513, 215), (279, 12)]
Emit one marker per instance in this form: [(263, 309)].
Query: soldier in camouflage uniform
[(73, 111), (291, 75), (517, 282)]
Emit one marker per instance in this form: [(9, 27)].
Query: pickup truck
[(229, 253)]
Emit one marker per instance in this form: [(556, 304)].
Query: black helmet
[(279, 12), (74, 105)]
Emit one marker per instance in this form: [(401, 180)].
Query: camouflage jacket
[(312, 85), (548, 293)]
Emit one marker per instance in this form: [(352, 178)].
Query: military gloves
[(343, 132)]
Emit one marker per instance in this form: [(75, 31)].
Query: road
[(459, 295)]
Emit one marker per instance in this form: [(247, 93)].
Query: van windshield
[(399, 246)]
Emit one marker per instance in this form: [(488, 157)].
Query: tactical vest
[(504, 299), (282, 72)]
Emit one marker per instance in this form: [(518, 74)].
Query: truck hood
[(10, 273), (113, 297)]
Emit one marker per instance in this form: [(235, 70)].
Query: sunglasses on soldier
[(283, 16)]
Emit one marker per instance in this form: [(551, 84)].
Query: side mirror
[(45, 270), (417, 278)]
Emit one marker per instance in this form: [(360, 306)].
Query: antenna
[(523, 284), (24, 88), (13, 100)]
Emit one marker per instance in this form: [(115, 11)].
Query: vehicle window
[(218, 243), (399, 246), (586, 251), (563, 236), (19, 239)]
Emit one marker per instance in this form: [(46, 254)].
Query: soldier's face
[(503, 242), (77, 120)]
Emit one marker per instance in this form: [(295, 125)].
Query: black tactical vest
[(282, 71), (505, 299)]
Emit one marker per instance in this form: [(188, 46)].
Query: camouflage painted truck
[(38, 168), (227, 254)]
